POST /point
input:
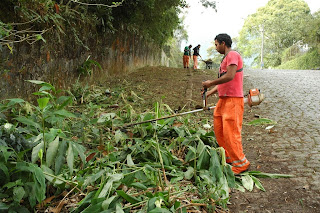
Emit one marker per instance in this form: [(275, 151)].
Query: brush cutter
[(204, 100), (254, 98)]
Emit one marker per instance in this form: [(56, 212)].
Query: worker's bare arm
[(231, 72)]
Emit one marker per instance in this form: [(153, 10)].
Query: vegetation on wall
[(309, 60), (30, 20), (156, 21)]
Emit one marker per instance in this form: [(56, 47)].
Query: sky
[(204, 24)]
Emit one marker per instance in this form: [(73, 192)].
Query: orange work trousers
[(195, 62), (228, 116), (186, 59)]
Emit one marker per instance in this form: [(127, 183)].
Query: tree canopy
[(154, 19), (283, 24)]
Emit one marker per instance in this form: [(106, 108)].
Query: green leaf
[(215, 165), (189, 173), (247, 182), (151, 203), (60, 159), (92, 178), (138, 185), (39, 37), (93, 208), (128, 179), (119, 208), (3, 207), (44, 88), (39, 176), (165, 159), (261, 121), (105, 204), (36, 82), (18, 193), (200, 147), (28, 122), (15, 101), (42, 83), (52, 151), (52, 178), (159, 210), (157, 110), (80, 149), (205, 175), (39, 179), (5, 171), (257, 183), (224, 189), (141, 175), (191, 154), (43, 102), (229, 175), (37, 138), (267, 175), (204, 159), (119, 136), (239, 187), (108, 186), (5, 152), (70, 157), (129, 160), (63, 101), (64, 113), (50, 136), (40, 154), (127, 197), (35, 152), (106, 117), (13, 184), (43, 93)]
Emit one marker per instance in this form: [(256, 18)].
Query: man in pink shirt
[(228, 113)]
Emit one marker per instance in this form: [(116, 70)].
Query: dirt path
[(292, 146)]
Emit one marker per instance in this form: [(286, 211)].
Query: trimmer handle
[(204, 97)]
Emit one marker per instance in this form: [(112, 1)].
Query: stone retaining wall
[(57, 62)]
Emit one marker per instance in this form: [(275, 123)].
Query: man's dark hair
[(224, 37)]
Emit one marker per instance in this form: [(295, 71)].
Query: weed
[(150, 167)]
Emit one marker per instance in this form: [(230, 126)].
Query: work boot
[(245, 170)]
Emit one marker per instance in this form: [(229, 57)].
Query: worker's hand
[(203, 90), (206, 84), (210, 92)]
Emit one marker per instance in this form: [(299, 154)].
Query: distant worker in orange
[(195, 56), (228, 113), (186, 56)]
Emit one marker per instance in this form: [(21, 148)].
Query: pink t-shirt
[(233, 88)]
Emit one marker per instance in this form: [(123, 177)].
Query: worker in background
[(186, 56), (195, 56), (228, 113)]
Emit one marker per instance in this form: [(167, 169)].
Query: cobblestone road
[(293, 101)]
